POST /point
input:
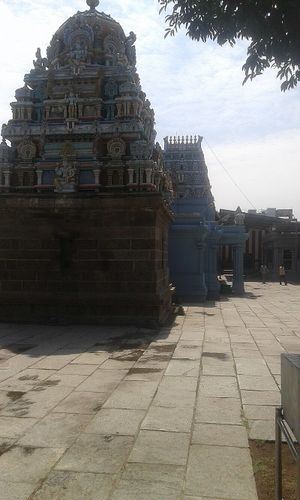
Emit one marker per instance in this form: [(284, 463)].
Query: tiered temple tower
[(82, 122), (194, 238), (84, 196), (184, 159)]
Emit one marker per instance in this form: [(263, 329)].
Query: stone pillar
[(109, 177), (213, 286), (96, 173), (202, 285), (39, 174), (130, 175), (148, 175), (119, 109), (238, 270), (7, 174), (276, 261), (140, 175), (99, 109)]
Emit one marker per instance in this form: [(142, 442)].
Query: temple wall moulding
[(183, 140)]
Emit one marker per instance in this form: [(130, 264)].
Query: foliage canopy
[(271, 26)]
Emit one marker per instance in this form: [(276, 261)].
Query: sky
[(251, 133)]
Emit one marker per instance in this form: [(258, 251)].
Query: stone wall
[(84, 259)]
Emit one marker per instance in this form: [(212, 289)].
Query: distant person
[(264, 271), (282, 275)]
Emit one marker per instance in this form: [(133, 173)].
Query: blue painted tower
[(194, 235)]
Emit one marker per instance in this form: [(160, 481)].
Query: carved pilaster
[(39, 174), (109, 177), (130, 175), (98, 110), (7, 176), (202, 285), (96, 173), (238, 269), (119, 109), (148, 175)]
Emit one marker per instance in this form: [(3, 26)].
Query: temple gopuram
[(195, 237), (84, 196)]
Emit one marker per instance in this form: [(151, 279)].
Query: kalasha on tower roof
[(82, 121)]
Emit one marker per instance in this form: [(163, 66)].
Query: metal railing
[(281, 428)]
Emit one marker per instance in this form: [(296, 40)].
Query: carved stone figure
[(67, 150), (4, 152), (113, 45), (130, 48), (239, 217), (65, 176), (79, 40), (111, 89), (40, 62), (72, 106)]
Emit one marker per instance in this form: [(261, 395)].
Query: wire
[(229, 175)]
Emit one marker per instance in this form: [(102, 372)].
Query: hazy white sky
[(194, 88)]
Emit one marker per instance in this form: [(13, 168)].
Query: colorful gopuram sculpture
[(84, 197), (82, 121)]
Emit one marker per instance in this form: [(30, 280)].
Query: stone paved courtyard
[(124, 414)]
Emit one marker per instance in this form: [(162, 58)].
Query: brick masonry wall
[(90, 258)]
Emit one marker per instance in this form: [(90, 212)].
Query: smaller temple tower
[(194, 237), (184, 159)]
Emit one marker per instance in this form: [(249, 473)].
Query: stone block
[(84, 252)]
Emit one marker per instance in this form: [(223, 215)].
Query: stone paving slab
[(15, 491), (150, 481), (70, 485), (96, 453), (168, 419), (124, 413), (218, 411), (220, 471), (28, 465), (220, 435), (156, 447), (116, 421)]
